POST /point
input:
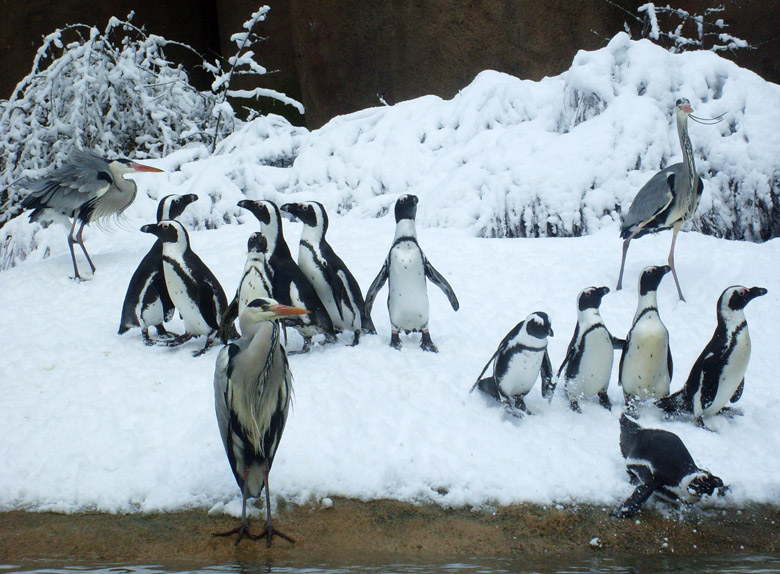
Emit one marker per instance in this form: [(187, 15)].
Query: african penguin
[(659, 464), (407, 268), (336, 286), (587, 367), (192, 286), (517, 363), (646, 363), (718, 375), (290, 286), (147, 302), (256, 283)]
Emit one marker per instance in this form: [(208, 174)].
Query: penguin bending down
[(718, 375), (192, 286), (588, 364), (336, 287), (288, 283), (659, 464), (517, 363), (407, 268), (256, 283), (147, 302), (646, 363)]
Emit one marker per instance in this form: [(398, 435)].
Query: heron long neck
[(687, 149)]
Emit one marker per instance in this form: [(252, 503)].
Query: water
[(731, 564)]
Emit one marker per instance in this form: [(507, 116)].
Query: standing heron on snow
[(252, 391), (85, 188), (671, 196)]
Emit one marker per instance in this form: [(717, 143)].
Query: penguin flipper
[(548, 383), (738, 392), (376, 285), (439, 280), (489, 387), (570, 350), (634, 502), (227, 321)]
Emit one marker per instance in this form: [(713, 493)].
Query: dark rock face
[(339, 57)]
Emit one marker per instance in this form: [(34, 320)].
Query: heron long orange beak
[(285, 310), (142, 167)]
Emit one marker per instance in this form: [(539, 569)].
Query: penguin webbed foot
[(206, 347), (163, 333), (426, 344), (604, 400), (173, 340), (355, 339), (395, 340), (574, 405), (731, 412)]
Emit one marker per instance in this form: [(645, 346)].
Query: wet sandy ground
[(387, 530)]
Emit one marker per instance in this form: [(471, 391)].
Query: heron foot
[(242, 530), (269, 532)]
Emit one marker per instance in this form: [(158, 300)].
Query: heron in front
[(252, 391), (85, 188), (671, 196)]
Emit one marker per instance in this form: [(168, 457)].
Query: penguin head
[(406, 207), (704, 482), (735, 298), (650, 278), (265, 211), (590, 298), (311, 213), (168, 231), (538, 325), (172, 206), (257, 243)]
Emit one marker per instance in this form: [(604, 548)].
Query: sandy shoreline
[(389, 529)]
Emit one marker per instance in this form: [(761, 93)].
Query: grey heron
[(85, 188), (671, 196), (252, 391)]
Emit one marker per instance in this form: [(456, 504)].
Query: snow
[(97, 421)]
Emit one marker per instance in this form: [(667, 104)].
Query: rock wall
[(338, 57)]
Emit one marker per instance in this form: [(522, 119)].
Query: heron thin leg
[(71, 241), (623, 260), (83, 248), (243, 527), (270, 531), (675, 231)]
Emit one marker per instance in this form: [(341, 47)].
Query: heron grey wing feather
[(220, 391), (84, 176), (653, 198)]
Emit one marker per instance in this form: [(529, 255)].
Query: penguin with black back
[(336, 286), (406, 269), (587, 367), (517, 363), (193, 288), (659, 464), (147, 302), (645, 369), (256, 283), (717, 378), (289, 284)]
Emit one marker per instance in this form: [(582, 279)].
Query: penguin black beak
[(752, 293), (190, 198), (291, 209), (152, 228)]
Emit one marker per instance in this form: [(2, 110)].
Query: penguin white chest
[(407, 297), (254, 285), (645, 371), (190, 312), (595, 366), (732, 374), (522, 369)]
